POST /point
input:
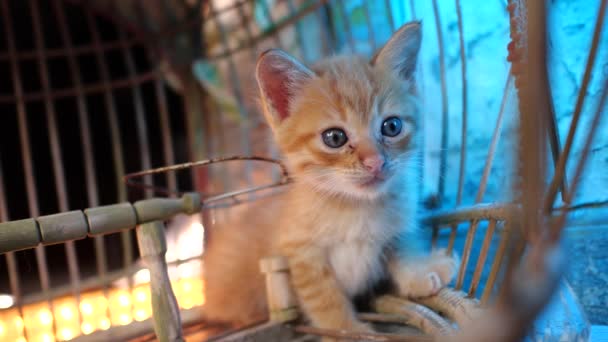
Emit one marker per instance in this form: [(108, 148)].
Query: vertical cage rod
[(479, 197), (556, 229), (116, 142), (496, 264), (272, 150), (55, 145), (247, 124), (216, 146), (463, 139), (347, 28), (11, 262), (234, 83), (193, 98), (560, 169), (85, 130), (389, 12), (434, 235), (370, 28), (111, 108), (554, 140), (142, 139), (83, 115), (413, 8), (444, 105), (466, 253), (26, 155), (268, 14), (452, 238), (246, 25), (514, 255), (327, 36), (481, 260), (419, 80), (487, 168), (533, 117), (298, 28), (165, 127), (140, 116), (531, 153)]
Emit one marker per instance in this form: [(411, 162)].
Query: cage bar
[(560, 169), (465, 105), (444, 106), (482, 258), (347, 29), (11, 262), (28, 166)]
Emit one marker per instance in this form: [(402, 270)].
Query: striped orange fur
[(349, 219)]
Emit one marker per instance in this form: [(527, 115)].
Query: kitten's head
[(349, 126)]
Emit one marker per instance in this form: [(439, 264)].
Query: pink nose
[(373, 164)]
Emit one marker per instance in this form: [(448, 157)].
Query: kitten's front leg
[(319, 293), (423, 276)]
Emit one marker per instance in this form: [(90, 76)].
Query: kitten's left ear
[(400, 53), (280, 77)]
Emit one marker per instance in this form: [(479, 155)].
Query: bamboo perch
[(453, 304), (282, 302), (415, 314), (153, 247), (73, 225)]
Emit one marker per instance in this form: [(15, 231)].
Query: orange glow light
[(95, 312)]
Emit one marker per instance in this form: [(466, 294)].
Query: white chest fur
[(354, 245), (357, 265), (353, 239)]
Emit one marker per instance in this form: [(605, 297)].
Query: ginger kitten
[(349, 129)]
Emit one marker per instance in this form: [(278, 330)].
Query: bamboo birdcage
[(169, 50)]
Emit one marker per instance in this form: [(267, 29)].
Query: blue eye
[(334, 137), (391, 127)]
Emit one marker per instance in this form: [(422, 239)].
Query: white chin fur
[(346, 189)]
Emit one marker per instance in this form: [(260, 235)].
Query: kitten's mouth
[(373, 182)]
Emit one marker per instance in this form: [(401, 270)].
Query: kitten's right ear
[(400, 53), (279, 77)]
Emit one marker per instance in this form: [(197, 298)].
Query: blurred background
[(93, 90)]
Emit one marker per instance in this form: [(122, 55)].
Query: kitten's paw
[(429, 276), (444, 265), (430, 284), (420, 284)]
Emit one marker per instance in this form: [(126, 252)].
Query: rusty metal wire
[(209, 201)]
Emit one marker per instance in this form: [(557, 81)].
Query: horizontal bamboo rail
[(77, 224)]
